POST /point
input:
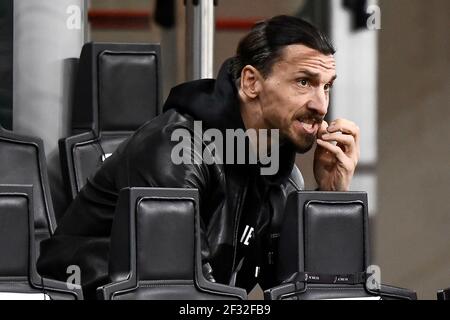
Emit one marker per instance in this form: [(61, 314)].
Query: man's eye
[(303, 83), (328, 87)]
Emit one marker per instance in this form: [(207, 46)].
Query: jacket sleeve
[(169, 162), (83, 234)]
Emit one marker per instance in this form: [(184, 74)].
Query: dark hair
[(262, 47)]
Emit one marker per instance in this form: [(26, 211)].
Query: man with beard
[(280, 79)]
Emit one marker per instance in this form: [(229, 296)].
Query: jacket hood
[(216, 104)]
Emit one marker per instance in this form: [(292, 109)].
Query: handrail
[(140, 19)]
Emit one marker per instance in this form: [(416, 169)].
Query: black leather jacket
[(231, 196)]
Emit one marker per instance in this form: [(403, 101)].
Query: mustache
[(310, 118)]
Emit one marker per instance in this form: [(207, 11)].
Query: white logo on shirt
[(248, 233)]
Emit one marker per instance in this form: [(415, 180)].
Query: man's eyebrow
[(310, 74), (315, 75)]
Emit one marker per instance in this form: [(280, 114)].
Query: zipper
[(237, 221)]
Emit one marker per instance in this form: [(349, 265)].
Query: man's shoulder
[(173, 119), (157, 137), (164, 125)]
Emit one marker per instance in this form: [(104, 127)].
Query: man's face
[(295, 95)]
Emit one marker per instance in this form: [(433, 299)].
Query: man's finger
[(344, 126), (348, 141), (322, 129), (335, 150)]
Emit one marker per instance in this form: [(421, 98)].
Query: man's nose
[(319, 102)]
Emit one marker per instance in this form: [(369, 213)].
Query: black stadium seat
[(324, 251), (155, 249), (118, 88), (444, 295), (26, 217)]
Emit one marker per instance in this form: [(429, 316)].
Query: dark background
[(6, 62)]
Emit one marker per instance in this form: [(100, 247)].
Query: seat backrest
[(332, 231), (118, 88), (18, 277), (324, 251), (163, 242), (15, 205), (23, 163), (324, 239), (26, 216)]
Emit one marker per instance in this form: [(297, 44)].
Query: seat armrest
[(55, 287), (287, 291), (233, 292), (394, 293), (107, 291), (443, 295)]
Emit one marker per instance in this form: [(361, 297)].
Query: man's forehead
[(301, 56)]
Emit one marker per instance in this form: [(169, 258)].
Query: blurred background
[(393, 65)]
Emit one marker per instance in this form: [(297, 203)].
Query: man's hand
[(335, 164)]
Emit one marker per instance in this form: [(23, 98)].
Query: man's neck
[(252, 118)]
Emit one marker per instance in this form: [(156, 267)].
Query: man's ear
[(251, 81)]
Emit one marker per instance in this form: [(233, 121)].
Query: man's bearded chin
[(303, 145), (306, 144)]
